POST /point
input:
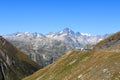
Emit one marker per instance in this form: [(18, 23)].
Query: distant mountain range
[(44, 49), (75, 39)]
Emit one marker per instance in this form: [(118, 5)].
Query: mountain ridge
[(44, 49), (63, 35)]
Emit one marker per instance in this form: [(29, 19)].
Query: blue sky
[(43, 16)]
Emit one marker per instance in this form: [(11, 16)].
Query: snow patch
[(85, 34)]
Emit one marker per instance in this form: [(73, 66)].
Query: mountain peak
[(67, 31)]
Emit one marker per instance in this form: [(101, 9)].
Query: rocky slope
[(85, 65), (14, 64), (44, 49)]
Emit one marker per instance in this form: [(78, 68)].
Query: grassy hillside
[(77, 65), (13, 63)]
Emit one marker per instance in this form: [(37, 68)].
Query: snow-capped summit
[(61, 34)]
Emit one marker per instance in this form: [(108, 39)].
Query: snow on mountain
[(44, 49), (74, 38)]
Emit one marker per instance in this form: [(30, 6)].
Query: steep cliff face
[(14, 64)]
